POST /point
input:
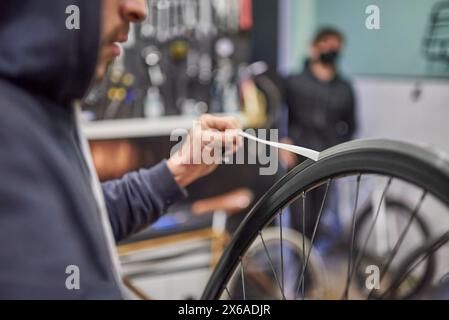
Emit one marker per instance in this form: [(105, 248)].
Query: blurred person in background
[(321, 110), (55, 216), (320, 102)]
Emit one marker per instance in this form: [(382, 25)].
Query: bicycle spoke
[(282, 255), (271, 265), (351, 250), (227, 291), (303, 235), (301, 279), (371, 229), (243, 278), (434, 247), (400, 239)]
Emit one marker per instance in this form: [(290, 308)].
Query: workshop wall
[(400, 38)]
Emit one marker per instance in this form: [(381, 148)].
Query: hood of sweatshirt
[(40, 54)]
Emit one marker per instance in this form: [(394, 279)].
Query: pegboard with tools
[(188, 57)]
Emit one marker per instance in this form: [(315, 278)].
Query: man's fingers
[(220, 123), (230, 139), (216, 137), (233, 140)]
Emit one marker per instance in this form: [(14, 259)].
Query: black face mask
[(330, 57)]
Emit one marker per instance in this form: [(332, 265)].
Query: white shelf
[(141, 128)]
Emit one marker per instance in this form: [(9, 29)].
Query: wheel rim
[(395, 161)]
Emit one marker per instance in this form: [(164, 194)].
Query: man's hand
[(211, 139)]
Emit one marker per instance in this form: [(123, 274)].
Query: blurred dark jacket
[(320, 114), (49, 217)]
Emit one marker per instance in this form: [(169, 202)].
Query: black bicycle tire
[(422, 167)]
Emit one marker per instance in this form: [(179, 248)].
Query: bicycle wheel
[(399, 215), (411, 263), (263, 257), (420, 168)]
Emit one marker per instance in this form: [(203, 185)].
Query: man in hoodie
[(55, 217)]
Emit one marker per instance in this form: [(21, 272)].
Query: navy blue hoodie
[(49, 217)]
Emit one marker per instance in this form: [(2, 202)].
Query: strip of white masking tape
[(310, 154)]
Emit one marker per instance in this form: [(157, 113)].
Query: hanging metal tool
[(163, 20), (148, 28)]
